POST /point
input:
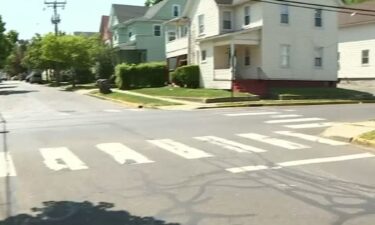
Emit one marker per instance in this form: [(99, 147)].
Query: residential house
[(138, 34), (357, 44), (105, 34), (252, 46), (85, 34)]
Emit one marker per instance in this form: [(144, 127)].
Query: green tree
[(13, 64), (7, 42)]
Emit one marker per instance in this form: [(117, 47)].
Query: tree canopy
[(7, 42)]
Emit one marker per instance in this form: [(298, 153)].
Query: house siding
[(165, 13), (303, 37), (353, 40)]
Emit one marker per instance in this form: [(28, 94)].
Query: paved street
[(236, 166)]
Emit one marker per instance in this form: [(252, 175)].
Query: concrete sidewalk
[(349, 131)]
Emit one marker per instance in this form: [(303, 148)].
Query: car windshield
[(187, 112)]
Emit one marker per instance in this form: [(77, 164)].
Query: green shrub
[(84, 76), (186, 76), (141, 75)]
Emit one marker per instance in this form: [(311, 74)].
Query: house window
[(227, 20), (285, 56), (171, 36), (247, 18), (284, 14), (203, 55), (201, 24), (318, 58), (318, 18), (176, 10), (183, 31), (247, 57), (157, 30), (365, 57)]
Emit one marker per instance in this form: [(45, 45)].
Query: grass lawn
[(80, 87), (187, 92), (319, 93), (135, 99), (369, 136)]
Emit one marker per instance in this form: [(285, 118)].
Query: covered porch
[(236, 56)]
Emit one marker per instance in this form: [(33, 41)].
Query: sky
[(31, 16)]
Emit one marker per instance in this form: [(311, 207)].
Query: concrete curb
[(129, 104), (364, 142), (283, 104)]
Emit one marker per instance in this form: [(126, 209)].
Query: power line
[(301, 5), (326, 6), (55, 17)]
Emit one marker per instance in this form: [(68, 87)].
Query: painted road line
[(274, 141), (7, 168), (61, 158), (286, 116), (309, 125), (112, 110), (312, 138), (180, 149), (123, 154), (300, 163), (228, 144), (294, 120), (64, 114), (252, 114)]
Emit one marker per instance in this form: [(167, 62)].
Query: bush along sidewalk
[(141, 76), (186, 76)]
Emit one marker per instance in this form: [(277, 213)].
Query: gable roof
[(153, 10), (127, 12), (352, 19)]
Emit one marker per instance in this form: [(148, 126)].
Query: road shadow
[(5, 87), (15, 92), (80, 213)]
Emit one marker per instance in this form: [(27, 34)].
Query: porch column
[(233, 60)]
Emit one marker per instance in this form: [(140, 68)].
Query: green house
[(138, 31)]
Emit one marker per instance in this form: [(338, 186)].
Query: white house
[(252, 46), (357, 45)]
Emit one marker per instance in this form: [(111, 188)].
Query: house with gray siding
[(138, 32)]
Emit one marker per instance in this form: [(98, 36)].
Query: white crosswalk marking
[(180, 149), (252, 114), (309, 125), (61, 158), (112, 110), (228, 144), (286, 116), (274, 141), (123, 154), (300, 163), (7, 168), (312, 138), (294, 120)]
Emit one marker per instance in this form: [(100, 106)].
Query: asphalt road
[(72, 159)]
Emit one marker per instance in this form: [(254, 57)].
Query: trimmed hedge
[(186, 76), (141, 75)]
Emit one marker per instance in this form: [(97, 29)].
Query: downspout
[(189, 41)]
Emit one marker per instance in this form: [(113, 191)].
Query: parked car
[(34, 77)]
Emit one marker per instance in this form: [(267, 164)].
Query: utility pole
[(55, 17), (55, 5)]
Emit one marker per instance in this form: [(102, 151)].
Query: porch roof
[(235, 37)]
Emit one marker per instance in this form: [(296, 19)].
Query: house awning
[(244, 37)]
